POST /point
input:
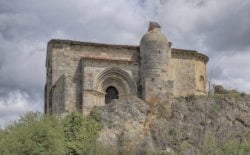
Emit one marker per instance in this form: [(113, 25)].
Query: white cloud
[(14, 104), (232, 71)]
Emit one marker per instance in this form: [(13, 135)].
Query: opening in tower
[(111, 93)]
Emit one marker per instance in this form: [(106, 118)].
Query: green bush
[(32, 134), (80, 133), (212, 146), (36, 133)]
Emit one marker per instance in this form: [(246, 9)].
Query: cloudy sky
[(218, 28)]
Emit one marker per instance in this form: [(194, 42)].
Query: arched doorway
[(111, 93), (113, 83)]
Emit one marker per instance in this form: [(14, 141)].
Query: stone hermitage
[(81, 75)]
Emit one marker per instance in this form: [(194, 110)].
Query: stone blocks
[(78, 73)]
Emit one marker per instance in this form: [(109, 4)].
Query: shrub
[(35, 133), (80, 133), (212, 146), (32, 134)]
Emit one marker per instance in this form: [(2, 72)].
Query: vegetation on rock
[(190, 125), (35, 133), (215, 125)]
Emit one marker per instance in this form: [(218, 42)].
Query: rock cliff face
[(191, 125)]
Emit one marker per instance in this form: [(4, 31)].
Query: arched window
[(111, 93), (202, 83)]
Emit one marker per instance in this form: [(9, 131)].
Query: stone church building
[(81, 75)]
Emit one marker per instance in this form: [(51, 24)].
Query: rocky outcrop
[(219, 89), (187, 126)]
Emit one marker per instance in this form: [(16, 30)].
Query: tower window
[(202, 83)]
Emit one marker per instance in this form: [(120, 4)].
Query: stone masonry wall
[(58, 96), (158, 91), (65, 60), (201, 76), (183, 69), (187, 69), (48, 85)]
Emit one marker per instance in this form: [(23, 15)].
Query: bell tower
[(155, 52)]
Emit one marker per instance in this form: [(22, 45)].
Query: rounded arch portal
[(115, 79)]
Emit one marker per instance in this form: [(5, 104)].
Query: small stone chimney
[(153, 25)]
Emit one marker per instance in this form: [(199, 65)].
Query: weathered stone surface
[(58, 96), (131, 124)]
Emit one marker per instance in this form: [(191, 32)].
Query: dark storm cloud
[(228, 29), (221, 26)]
